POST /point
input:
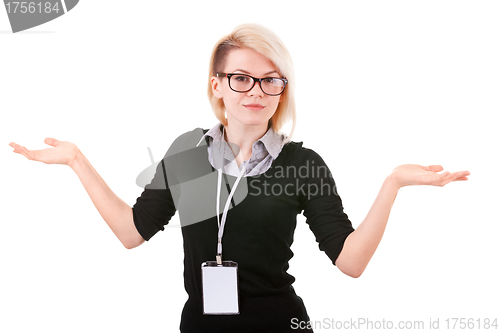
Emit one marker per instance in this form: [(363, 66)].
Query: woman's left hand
[(414, 174)]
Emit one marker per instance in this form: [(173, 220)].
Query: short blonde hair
[(262, 40)]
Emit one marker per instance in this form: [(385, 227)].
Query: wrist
[(392, 179), (77, 159)]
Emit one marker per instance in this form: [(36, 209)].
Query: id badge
[(220, 288)]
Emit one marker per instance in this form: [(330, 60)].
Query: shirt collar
[(272, 141), (215, 133)]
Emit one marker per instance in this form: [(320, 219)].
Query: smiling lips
[(254, 107)]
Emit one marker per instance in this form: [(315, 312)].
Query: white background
[(379, 84)]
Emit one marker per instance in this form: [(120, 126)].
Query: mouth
[(254, 107)]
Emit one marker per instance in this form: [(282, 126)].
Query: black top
[(258, 232)]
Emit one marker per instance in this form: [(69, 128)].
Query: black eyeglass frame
[(255, 80)]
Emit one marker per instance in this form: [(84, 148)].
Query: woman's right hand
[(64, 152)]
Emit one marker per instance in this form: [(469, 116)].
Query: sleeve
[(155, 207), (323, 208)]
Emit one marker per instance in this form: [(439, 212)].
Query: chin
[(256, 122), (252, 118)]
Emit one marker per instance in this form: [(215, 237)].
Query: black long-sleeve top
[(258, 233)]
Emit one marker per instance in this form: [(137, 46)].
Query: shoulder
[(295, 153), (186, 141)]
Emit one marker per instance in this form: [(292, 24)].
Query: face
[(252, 108)]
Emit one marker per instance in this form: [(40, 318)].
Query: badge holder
[(220, 288), (220, 278)]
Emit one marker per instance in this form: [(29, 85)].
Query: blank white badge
[(220, 288)]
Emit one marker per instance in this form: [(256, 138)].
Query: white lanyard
[(221, 223)]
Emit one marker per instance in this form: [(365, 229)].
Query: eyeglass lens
[(243, 83)]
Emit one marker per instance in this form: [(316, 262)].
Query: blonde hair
[(262, 40)]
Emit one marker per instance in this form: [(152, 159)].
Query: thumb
[(436, 168), (52, 142)]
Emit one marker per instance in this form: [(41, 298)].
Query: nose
[(256, 90)]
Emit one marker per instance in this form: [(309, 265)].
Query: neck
[(244, 137)]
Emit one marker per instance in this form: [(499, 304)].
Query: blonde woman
[(238, 188)]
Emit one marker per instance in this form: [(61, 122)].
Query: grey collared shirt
[(264, 152)]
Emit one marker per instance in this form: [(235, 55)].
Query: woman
[(258, 182)]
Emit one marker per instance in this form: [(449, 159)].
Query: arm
[(361, 244), (117, 214)]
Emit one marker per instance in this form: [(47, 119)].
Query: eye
[(241, 78), (274, 81)]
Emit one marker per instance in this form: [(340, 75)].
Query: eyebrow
[(247, 72)]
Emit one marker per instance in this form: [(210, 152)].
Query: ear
[(216, 85)]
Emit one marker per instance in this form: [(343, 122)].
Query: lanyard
[(222, 222)]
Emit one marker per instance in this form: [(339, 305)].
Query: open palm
[(414, 174), (64, 152)]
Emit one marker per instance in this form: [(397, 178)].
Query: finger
[(23, 151), (451, 177), (462, 175), (15, 146), (52, 142), (435, 168), (426, 168)]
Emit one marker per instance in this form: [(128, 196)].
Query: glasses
[(272, 86)]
